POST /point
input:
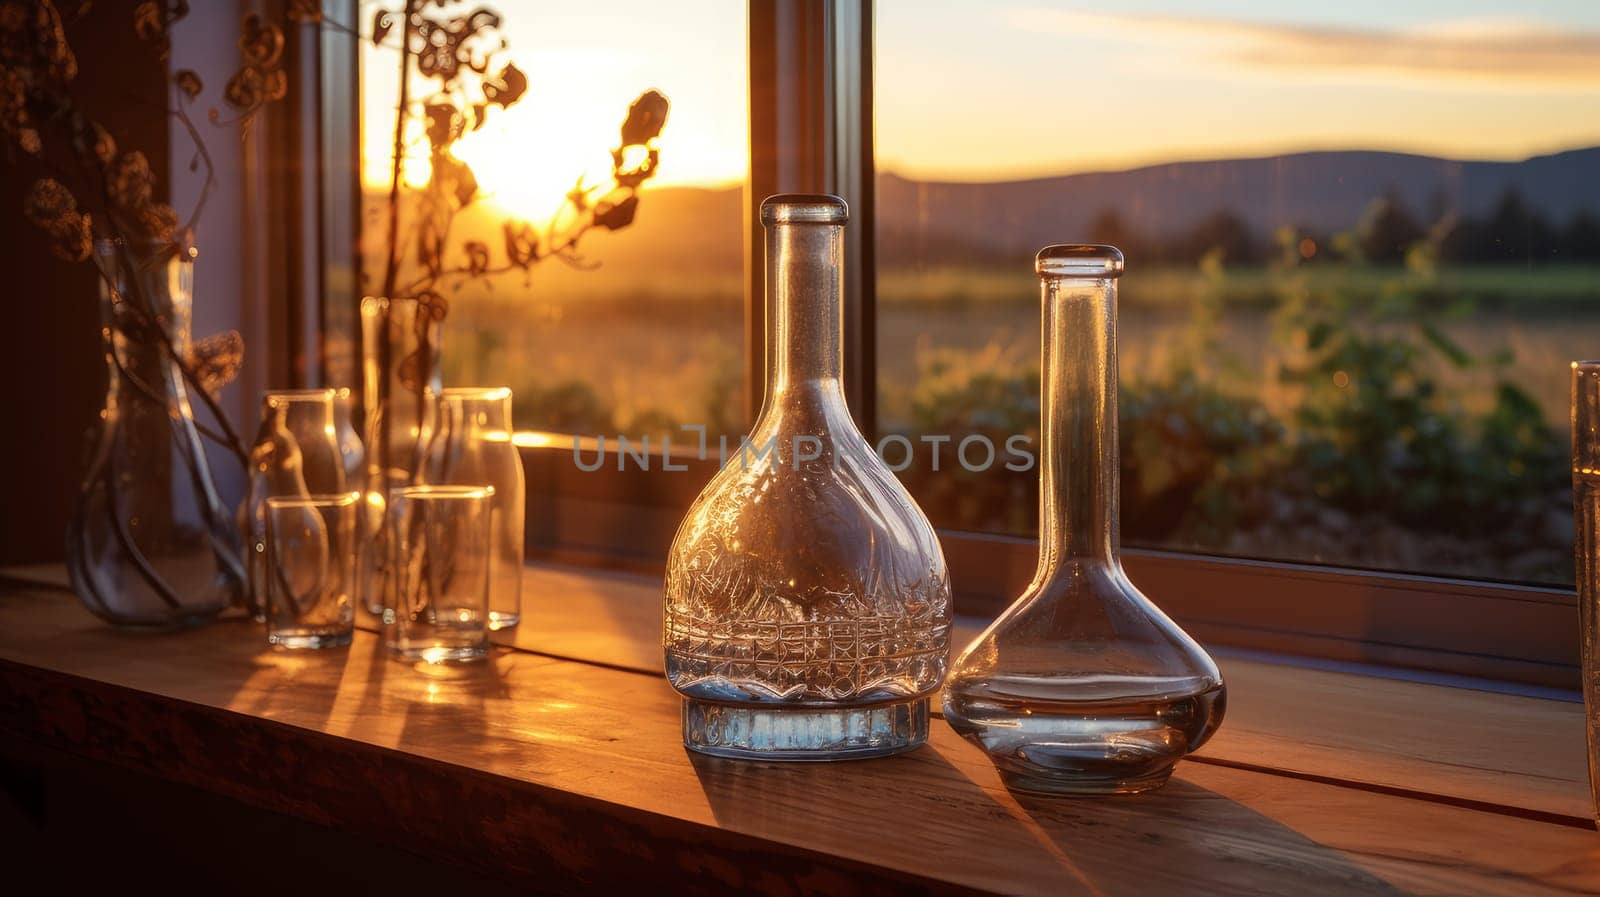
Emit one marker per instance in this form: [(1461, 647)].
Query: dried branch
[(392, 264), (182, 115), (457, 54)]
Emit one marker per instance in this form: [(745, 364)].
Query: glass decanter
[(472, 447), (807, 603), (1083, 686)]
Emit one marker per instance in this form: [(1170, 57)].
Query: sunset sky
[(997, 90), (1031, 88), (585, 64)]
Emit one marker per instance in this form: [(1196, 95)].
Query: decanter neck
[(1078, 489), (805, 289)]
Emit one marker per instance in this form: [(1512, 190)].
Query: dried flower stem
[(562, 250), (178, 112), (391, 268)]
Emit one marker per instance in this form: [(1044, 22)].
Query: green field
[(654, 346), (1402, 467), (1546, 289)]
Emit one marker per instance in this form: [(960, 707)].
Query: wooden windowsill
[(559, 766)]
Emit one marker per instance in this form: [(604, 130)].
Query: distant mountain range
[(1320, 191), (687, 229)]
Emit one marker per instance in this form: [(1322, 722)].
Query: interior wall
[(52, 373), (227, 295)]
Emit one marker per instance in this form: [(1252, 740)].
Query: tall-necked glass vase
[(150, 543), (807, 603), (400, 347), (1083, 686)]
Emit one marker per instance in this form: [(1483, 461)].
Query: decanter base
[(758, 732), (1055, 783)]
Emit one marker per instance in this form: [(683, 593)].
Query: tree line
[(1510, 232)]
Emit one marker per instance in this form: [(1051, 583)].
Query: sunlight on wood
[(989, 780), (548, 749)]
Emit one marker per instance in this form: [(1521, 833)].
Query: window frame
[(811, 110)]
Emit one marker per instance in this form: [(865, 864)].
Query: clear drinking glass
[(311, 570), (1083, 686), (1586, 548), (400, 348), (807, 602), (442, 545), (296, 453), (472, 447)]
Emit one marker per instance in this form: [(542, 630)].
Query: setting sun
[(580, 84), (526, 165)]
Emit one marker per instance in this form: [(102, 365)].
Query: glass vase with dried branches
[(150, 543)]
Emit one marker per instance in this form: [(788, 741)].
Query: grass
[(653, 344), (640, 351), (1540, 290)]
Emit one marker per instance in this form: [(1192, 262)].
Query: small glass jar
[(296, 453), (310, 564), (472, 447)]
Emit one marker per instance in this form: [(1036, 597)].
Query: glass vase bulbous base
[(1109, 746), (1079, 785), (757, 732)]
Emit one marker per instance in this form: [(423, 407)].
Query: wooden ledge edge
[(524, 833)]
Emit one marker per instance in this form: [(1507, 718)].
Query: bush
[(1373, 461)]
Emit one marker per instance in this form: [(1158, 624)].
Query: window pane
[(1363, 242), (639, 329)]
